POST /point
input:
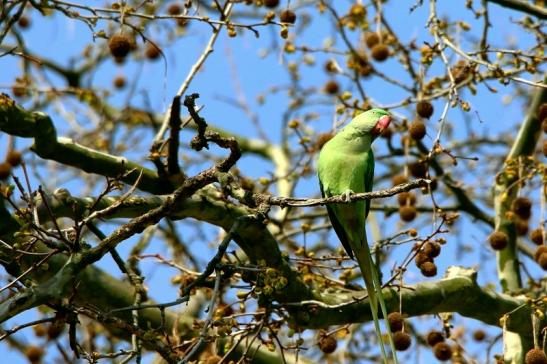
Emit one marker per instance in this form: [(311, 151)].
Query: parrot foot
[(347, 195)]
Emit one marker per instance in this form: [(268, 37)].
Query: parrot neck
[(356, 140)]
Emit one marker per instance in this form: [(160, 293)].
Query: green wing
[(338, 229), (369, 178)]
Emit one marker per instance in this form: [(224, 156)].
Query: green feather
[(346, 163)]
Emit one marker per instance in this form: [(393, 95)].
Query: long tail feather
[(374, 290)]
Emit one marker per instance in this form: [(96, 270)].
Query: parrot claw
[(347, 195)]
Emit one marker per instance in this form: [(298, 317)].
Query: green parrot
[(346, 165)]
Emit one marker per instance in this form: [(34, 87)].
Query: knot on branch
[(199, 141)]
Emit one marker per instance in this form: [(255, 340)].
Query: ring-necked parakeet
[(346, 165)]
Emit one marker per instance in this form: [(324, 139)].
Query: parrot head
[(372, 122)]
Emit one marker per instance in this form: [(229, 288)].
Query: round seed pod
[(119, 82), (23, 22), (34, 353), (417, 130), (418, 169), (5, 170), (434, 337), (542, 261), (521, 226), (442, 351), (387, 133), (498, 240), (271, 3), (287, 16), (537, 236), (395, 321), (422, 258), (406, 198), (542, 112), (479, 335), (432, 250), (322, 139), (357, 11), (424, 109), (332, 87), (428, 269), (152, 52), (327, 344), (380, 52), (398, 179), (407, 213), (539, 251), (119, 45), (14, 158), (174, 9), (371, 39), (535, 356), (522, 207), (402, 341)]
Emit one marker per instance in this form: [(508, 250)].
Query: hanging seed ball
[(399, 179), (432, 250), (174, 9), (287, 16), (442, 351), (119, 82), (417, 130), (14, 158), (23, 22), (271, 3), (119, 45), (418, 169), (424, 109), (34, 353), (498, 240), (19, 89), (332, 87), (402, 340), (5, 170), (479, 335), (537, 236), (395, 321), (434, 337), (380, 52), (371, 39), (407, 213), (327, 344), (330, 66), (406, 198), (152, 52), (40, 330), (387, 133), (540, 251), (422, 258), (542, 113), (542, 261), (522, 207), (357, 11), (322, 139), (521, 226), (535, 356), (55, 329), (428, 269)]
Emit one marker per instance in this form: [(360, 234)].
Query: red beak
[(381, 125)]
